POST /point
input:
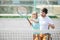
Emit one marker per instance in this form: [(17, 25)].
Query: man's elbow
[(53, 26)]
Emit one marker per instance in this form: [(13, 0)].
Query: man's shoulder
[(48, 17)]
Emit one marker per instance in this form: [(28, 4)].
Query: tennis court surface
[(19, 29)]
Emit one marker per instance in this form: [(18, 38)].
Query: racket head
[(22, 11)]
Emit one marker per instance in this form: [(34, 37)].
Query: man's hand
[(51, 25)]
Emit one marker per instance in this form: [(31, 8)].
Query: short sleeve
[(50, 21)]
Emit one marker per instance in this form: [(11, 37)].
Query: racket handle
[(29, 21)]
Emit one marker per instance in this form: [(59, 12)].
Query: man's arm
[(51, 25)]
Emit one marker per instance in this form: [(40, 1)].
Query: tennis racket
[(22, 11)]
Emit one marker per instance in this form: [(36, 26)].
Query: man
[(45, 22)]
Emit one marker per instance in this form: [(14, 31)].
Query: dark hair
[(45, 10)]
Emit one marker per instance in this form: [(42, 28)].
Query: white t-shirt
[(44, 22)]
